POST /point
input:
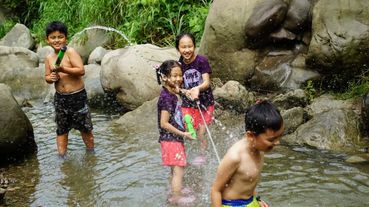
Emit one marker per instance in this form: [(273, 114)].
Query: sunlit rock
[(129, 73), (18, 36), (232, 95)]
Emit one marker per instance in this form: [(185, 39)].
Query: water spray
[(208, 131)]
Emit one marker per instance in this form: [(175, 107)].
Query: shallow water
[(126, 170)]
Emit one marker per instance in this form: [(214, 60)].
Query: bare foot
[(182, 200), (199, 160)]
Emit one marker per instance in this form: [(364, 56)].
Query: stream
[(126, 170)]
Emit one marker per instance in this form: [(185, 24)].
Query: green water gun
[(188, 120), (60, 56)]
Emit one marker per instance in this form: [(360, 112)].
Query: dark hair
[(56, 26), (262, 116), (180, 36), (165, 68)]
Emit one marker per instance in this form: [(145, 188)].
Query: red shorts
[(196, 116), (173, 153)]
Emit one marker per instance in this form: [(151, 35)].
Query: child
[(240, 169), (171, 126), (196, 75), (70, 99)]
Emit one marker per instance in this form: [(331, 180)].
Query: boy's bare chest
[(250, 170)]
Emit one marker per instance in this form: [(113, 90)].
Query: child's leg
[(88, 139), (201, 136), (177, 180), (62, 143)]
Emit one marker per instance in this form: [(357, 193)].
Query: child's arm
[(164, 123), (195, 91), (76, 64), (226, 169)]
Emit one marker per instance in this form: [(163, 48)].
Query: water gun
[(60, 56), (188, 120)]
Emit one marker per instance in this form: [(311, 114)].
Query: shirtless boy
[(70, 99), (239, 171)]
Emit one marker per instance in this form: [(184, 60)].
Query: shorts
[(173, 153), (251, 202), (72, 111), (196, 116)]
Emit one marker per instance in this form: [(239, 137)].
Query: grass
[(143, 21)]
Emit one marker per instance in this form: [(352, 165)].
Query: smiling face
[(174, 80), (268, 140), (56, 40), (186, 48)]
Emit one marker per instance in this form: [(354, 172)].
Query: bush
[(142, 21)]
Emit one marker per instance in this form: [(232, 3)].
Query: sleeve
[(165, 103), (205, 66)]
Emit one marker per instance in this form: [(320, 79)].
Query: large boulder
[(18, 36), (336, 130), (223, 41), (129, 73), (132, 121), (340, 38), (88, 39), (233, 95), (16, 132), (258, 46), (20, 70)]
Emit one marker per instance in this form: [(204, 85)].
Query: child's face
[(175, 78), (186, 48), (56, 40), (266, 141)]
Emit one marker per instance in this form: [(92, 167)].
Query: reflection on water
[(126, 170)]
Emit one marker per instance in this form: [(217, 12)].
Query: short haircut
[(262, 116), (56, 26), (180, 36)]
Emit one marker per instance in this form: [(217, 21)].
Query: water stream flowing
[(126, 170)]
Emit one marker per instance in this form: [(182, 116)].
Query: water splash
[(110, 29), (207, 129)]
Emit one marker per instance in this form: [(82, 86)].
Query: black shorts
[(72, 111)]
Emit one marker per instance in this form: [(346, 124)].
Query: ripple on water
[(126, 170)]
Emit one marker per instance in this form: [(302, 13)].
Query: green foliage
[(358, 87), (142, 21), (6, 27), (310, 91)]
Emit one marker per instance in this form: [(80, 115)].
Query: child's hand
[(263, 204), (54, 76), (194, 93), (188, 135)]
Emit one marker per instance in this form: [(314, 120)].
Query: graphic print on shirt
[(178, 115), (192, 78)]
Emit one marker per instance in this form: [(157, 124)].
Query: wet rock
[(359, 158)]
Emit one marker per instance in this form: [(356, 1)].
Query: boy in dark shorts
[(70, 99)]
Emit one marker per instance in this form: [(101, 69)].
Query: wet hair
[(56, 26), (262, 116), (180, 36), (166, 68)]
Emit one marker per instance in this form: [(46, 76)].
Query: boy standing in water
[(196, 78), (70, 99), (170, 123), (239, 171)]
